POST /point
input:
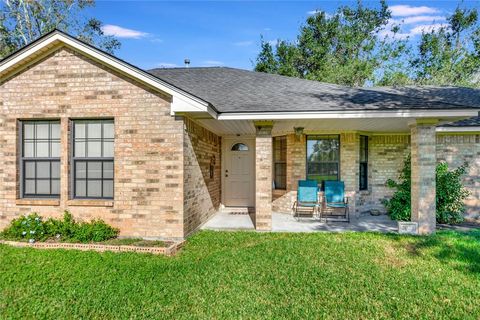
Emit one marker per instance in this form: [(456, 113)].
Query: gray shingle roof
[(235, 90), (472, 122)]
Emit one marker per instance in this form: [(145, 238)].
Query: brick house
[(156, 153)]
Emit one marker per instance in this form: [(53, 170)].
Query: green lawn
[(252, 275)]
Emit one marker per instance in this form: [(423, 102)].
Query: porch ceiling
[(246, 127)]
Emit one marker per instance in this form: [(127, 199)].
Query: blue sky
[(227, 33)]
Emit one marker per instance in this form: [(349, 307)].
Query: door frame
[(227, 142)]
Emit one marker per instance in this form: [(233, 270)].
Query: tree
[(23, 21), (451, 54), (360, 46), (342, 48)]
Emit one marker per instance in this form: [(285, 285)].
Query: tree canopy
[(361, 46), (23, 21)]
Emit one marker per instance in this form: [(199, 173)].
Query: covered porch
[(365, 151)]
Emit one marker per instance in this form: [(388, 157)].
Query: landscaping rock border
[(167, 251)]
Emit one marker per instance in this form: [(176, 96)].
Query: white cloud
[(120, 32), (427, 28), (407, 10), (213, 63), (417, 19), (243, 43), (167, 65), (391, 35), (312, 12)]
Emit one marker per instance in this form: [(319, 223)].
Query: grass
[(252, 275)]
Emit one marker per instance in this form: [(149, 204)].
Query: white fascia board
[(350, 114), (181, 99), (458, 129)]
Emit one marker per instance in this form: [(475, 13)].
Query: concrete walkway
[(283, 222)]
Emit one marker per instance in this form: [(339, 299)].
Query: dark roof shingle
[(236, 90)]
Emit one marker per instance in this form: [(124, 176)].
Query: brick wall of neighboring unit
[(455, 150), (148, 154), (202, 186)]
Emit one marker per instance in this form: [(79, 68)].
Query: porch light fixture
[(298, 133)]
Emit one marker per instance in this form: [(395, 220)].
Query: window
[(40, 159), (323, 158), (280, 162), (363, 163), (93, 159), (239, 147)]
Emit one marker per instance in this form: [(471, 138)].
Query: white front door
[(239, 172)]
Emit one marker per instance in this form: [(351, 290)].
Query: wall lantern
[(298, 133)]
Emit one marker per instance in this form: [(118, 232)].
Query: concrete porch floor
[(284, 222)]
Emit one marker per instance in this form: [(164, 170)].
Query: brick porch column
[(424, 159), (263, 175)]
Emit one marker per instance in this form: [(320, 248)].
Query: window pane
[(108, 189), (79, 130), (94, 170), (108, 149), (28, 130), (55, 186), (43, 186), (323, 153), (94, 130), (108, 170), (42, 131), (55, 131), (79, 149), (43, 169), (29, 169), (30, 186), (108, 130), (28, 149), (239, 147), (55, 150), (80, 188), (42, 149), (94, 189), (94, 149), (81, 170), (55, 169)]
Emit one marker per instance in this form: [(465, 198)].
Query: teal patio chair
[(307, 198), (335, 200)]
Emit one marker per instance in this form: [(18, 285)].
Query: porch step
[(237, 210)]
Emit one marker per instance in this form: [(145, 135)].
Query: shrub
[(29, 227), (450, 193), (66, 229)]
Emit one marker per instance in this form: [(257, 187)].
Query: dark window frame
[(308, 138), (35, 159), (279, 163), (363, 164), (86, 159)]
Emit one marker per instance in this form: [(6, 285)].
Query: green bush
[(450, 193), (29, 227), (32, 227)]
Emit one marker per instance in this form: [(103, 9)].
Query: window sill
[(38, 202), (90, 203)]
